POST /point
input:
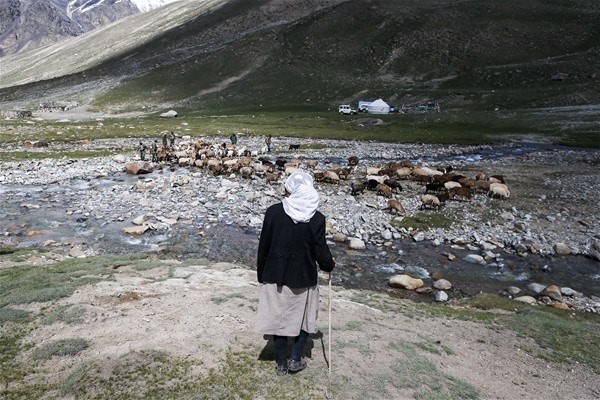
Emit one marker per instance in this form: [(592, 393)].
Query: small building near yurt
[(378, 107)]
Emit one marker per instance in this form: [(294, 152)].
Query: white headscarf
[(303, 200)]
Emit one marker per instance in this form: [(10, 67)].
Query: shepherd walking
[(292, 245)]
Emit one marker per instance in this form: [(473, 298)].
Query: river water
[(224, 240)]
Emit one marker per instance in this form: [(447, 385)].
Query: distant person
[(142, 149), (233, 138), (155, 151), (172, 139), (268, 141), (164, 140), (292, 244)]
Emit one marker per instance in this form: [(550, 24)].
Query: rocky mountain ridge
[(29, 24)]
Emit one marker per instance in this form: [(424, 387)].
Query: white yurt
[(378, 107)]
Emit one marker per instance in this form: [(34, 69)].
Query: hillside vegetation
[(247, 55)]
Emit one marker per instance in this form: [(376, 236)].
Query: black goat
[(358, 188), (394, 184)]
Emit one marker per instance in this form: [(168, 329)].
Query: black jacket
[(288, 253)]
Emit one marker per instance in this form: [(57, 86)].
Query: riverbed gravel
[(552, 209)]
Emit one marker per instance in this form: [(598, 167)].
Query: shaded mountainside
[(247, 54)]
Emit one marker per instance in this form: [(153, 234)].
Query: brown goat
[(272, 177), (384, 190), (395, 207), (463, 192)]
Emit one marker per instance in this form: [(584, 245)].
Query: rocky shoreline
[(552, 209)]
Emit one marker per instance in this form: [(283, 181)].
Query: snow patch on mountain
[(147, 5), (82, 6)]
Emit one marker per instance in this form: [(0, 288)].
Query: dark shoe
[(282, 370), (296, 366)]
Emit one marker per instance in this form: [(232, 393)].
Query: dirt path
[(383, 348)]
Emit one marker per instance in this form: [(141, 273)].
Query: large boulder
[(136, 230), (169, 114), (137, 168), (405, 282), (442, 284), (357, 244), (552, 291), (527, 300), (441, 296), (562, 249), (474, 259)]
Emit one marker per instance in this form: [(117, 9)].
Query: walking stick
[(329, 326), (328, 390)]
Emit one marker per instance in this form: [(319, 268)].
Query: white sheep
[(378, 178), (404, 172), (499, 191), (451, 184), (430, 201)]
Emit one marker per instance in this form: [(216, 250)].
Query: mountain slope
[(231, 54), (29, 24)]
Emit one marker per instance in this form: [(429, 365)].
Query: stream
[(32, 215)]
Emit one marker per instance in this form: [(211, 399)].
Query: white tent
[(378, 107)]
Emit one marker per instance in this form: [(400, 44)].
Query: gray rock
[(405, 282), (562, 249), (140, 220), (512, 290), (527, 300), (339, 237), (76, 252), (357, 244), (536, 287), (442, 284), (474, 258), (419, 237), (169, 114), (441, 296), (567, 291), (552, 291), (507, 216)]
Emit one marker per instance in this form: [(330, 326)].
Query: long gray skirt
[(284, 311)]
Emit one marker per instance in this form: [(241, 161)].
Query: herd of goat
[(440, 184)]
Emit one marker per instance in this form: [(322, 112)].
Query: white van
[(346, 109)]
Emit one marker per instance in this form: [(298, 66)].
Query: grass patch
[(8, 314), (56, 154), (7, 250), (158, 375), (563, 335), (422, 375), (26, 284), (561, 338), (424, 221), (467, 128), (63, 347), (434, 347), (226, 298), (20, 254), (66, 314), (11, 370)]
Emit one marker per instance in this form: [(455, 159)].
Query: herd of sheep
[(440, 184)]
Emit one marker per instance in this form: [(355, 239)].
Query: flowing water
[(225, 241)]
